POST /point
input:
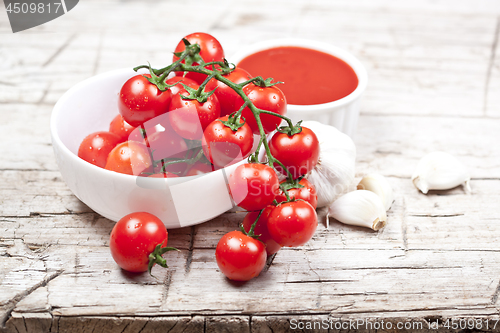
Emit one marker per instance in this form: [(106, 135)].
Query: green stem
[(252, 228), (288, 120), (250, 232), (238, 88), (189, 161)]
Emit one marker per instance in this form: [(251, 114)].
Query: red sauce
[(309, 76)]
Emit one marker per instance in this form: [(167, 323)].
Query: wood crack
[(124, 328), (59, 50), (167, 281), (404, 226), (269, 262), (142, 328), (189, 258), (319, 281), (496, 294), (437, 215), (13, 302)]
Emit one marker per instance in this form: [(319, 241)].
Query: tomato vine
[(217, 70)]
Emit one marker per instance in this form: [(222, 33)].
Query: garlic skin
[(334, 173), (362, 208), (379, 185), (440, 171)]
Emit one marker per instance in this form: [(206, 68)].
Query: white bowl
[(343, 113), (89, 107)]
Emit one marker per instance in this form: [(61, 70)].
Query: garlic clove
[(440, 171), (361, 208), (379, 185)]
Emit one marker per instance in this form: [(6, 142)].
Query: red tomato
[(140, 100), (126, 132), (222, 146), (253, 186), (210, 50), (226, 95), (292, 223), (121, 128), (239, 256), (199, 168), (298, 153), (307, 193), (96, 147), (261, 229), (269, 99), (178, 87), (134, 237), (130, 158), (189, 118)]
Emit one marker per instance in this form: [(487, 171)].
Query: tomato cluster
[(197, 115), (280, 214)]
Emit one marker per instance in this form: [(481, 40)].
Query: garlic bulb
[(379, 185), (361, 208), (334, 173), (440, 171)]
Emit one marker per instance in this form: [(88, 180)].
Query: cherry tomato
[(178, 87), (129, 157), (189, 118), (210, 50), (222, 146), (269, 99), (140, 100), (121, 128), (292, 223), (226, 95), (307, 193), (199, 168), (298, 153), (134, 237), (126, 132), (253, 186), (96, 147), (261, 229), (239, 256)]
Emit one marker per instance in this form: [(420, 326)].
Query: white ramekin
[(89, 107), (343, 113)]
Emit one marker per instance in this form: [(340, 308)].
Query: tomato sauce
[(309, 76)]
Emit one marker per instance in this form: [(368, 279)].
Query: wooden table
[(434, 84)]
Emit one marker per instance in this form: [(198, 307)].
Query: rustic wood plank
[(393, 145), (492, 107)]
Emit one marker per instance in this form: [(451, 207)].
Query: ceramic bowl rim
[(338, 52)]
